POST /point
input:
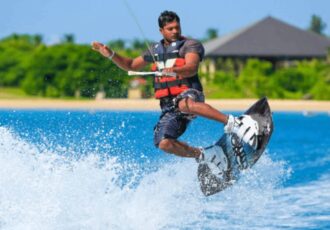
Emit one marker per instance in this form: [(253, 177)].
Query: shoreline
[(153, 104)]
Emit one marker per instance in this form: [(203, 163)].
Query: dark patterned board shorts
[(173, 123)]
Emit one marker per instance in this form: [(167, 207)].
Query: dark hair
[(166, 17)]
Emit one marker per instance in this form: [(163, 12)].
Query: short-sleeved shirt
[(192, 46), (189, 46)]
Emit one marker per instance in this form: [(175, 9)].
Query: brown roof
[(269, 37)]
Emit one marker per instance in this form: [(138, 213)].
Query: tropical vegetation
[(29, 67)]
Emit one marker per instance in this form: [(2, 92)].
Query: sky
[(105, 20)]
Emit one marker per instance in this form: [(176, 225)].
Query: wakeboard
[(236, 154)]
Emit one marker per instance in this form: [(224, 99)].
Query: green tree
[(211, 33), (317, 25), (227, 85), (298, 81), (69, 70), (69, 38), (37, 39), (15, 50), (118, 44), (138, 44), (255, 78), (321, 88)]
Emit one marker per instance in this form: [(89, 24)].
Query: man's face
[(171, 31)]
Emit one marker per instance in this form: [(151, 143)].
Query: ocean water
[(100, 170)]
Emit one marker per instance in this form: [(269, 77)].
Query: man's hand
[(102, 49), (168, 72)]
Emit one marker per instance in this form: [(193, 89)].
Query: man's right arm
[(122, 62)]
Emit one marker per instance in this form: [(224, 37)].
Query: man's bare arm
[(122, 62), (189, 69)]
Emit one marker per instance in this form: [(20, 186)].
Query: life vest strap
[(168, 84), (164, 57)]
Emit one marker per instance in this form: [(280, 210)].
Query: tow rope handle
[(152, 73)]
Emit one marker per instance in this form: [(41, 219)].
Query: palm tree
[(317, 25), (211, 33), (37, 39), (118, 44), (69, 38)]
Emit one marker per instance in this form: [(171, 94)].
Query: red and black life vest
[(167, 57)]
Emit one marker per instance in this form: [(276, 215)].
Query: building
[(268, 39)]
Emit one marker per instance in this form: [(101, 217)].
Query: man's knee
[(166, 145), (187, 105)]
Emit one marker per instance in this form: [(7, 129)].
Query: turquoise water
[(100, 170)]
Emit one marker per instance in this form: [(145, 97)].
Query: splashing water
[(43, 189)]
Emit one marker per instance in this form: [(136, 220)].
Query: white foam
[(42, 189)]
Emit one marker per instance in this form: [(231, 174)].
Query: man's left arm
[(190, 69)]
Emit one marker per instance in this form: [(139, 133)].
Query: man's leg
[(166, 132), (187, 105), (179, 148), (190, 106), (244, 127), (190, 102)]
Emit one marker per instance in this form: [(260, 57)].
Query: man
[(181, 97)]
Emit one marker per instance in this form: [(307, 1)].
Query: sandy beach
[(153, 105)]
